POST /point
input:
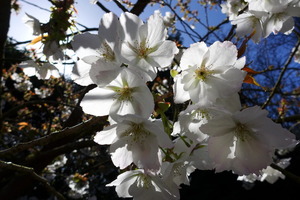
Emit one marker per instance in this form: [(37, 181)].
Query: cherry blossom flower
[(268, 174), (262, 17), (99, 53), (179, 169), (126, 94), (245, 141), (209, 73), (143, 185), (135, 139), (145, 47), (232, 7), (250, 22), (43, 71), (32, 23)]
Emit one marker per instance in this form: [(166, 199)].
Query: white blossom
[(135, 139), (209, 73), (126, 94), (99, 54), (143, 185), (32, 23), (145, 47), (245, 141), (43, 71)]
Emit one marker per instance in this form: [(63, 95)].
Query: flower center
[(106, 52), (200, 114), (242, 132), (141, 49), (202, 73), (178, 168), (123, 94), (137, 133), (143, 181)]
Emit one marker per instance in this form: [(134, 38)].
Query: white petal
[(251, 156), (145, 154), (97, 102), (180, 95), (156, 29), (164, 55), (80, 73), (107, 135), (102, 72), (162, 137), (219, 150), (130, 23), (110, 29), (86, 44), (193, 56), (219, 126), (120, 155), (222, 54)]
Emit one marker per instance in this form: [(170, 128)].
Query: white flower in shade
[(135, 140), (200, 157), (281, 21), (250, 22), (33, 23), (274, 6), (245, 141), (195, 115), (43, 71), (179, 169), (81, 73), (99, 53), (232, 7), (53, 51), (209, 73), (21, 83), (126, 94), (189, 122), (143, 186), (268, 174), (145, 46)]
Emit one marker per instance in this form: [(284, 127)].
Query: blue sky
[(90, 15)]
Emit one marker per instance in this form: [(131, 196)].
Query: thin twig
[(30, 171), (184, 24), (277, 84), (120, 6), (102, 7), (74, 33)]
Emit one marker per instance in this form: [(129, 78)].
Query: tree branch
[(92, 125), (139, 7), (286, 173), (30, 171)]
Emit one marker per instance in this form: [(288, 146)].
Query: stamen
[(242, 132)]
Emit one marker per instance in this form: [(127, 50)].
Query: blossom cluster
[(214, 132), (262, 17)]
